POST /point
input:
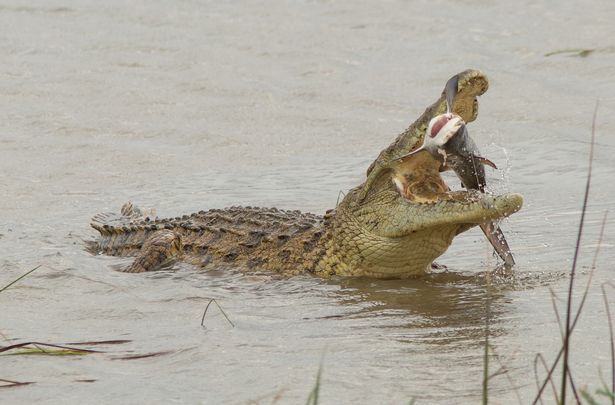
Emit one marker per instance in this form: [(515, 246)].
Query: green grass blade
[(46, 352), (221, 310), (313, 397), (19, 278), (568, 330), (588, 398), (605, 392), (44, 348)]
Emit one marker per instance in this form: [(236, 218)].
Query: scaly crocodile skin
[(392, 226)]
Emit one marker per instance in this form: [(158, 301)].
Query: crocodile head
[(404, 216)]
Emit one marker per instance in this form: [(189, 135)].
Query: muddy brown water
[(199, 105)]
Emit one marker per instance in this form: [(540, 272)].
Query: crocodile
[(393, 225)]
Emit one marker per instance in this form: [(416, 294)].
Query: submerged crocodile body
[(392, 226)]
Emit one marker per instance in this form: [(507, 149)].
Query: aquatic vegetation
[(48, 349), (10, 383), (313, 397), (36, 348), (571, 323), (51, 349), (603, 392), (221, 310), (20, 277)]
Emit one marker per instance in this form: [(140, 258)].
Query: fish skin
[(463, 157)]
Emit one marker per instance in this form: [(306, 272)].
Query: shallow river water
[(193, 105)]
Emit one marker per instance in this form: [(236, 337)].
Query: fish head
[(441, 129)]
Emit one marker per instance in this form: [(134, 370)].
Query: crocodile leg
[(159, 249)]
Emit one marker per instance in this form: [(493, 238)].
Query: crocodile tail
[(120, 233), (128, 213)]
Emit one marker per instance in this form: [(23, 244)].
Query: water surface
[(205, 105)]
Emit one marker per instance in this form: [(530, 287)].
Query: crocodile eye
[(437, 126)]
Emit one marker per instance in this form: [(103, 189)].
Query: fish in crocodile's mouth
[(417, 178)]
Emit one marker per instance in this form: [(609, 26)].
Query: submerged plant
[(313, 397), (221, 310), (19, 278), (570, 322), (43, 348)]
